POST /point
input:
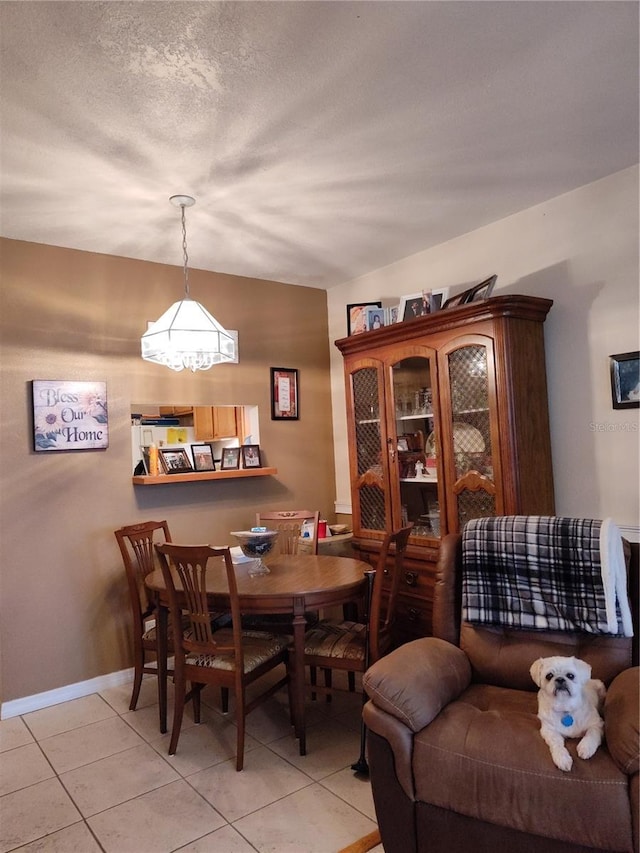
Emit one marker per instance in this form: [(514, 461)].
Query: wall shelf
[(199, 476)]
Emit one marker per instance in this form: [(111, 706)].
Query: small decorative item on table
[(256, 544)]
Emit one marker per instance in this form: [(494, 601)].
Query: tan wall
[(581, 250), (76, 315)]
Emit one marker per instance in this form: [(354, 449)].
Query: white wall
[(581, 250)]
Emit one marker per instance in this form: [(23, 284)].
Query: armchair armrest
[(415, 681), (621, 712)]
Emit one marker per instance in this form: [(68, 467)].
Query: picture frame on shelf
[(144, 453), (357, 316), (625, 380), (284, 394), (230, 459), (175, 460), (203, 457), (421, 304), (473, 294), (251, 456)]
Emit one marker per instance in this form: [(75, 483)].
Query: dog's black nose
[(560, 679)]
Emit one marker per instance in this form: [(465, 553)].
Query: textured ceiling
[(321, 139)]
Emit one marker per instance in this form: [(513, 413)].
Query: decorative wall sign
[(284, 394), (69, 415)]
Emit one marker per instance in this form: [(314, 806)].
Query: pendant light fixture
[(187, 335)]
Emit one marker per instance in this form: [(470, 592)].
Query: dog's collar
[(567, 720)]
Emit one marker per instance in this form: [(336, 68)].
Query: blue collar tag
[(567, 720)]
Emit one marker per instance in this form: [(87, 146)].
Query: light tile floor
[(89, 775)]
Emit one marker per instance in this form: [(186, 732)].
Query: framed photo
[(357, 316), (375, 318), (284, 394), (69, 415), (421, 304), (625, 380), (473, 294), (144, 453), (230, 458), (203, 457), (251, 456), (174, 460)]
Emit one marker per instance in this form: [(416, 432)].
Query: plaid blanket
[(546, 572)]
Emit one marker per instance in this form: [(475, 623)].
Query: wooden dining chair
[(290, 524), (229, 657), (353, 646), (136, 543)]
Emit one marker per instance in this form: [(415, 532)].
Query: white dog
[(569, 703)]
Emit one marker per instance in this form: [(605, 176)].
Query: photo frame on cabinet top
[(357, 316), (421, 304), (473, 294)]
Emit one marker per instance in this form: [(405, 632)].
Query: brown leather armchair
[(456, 758)]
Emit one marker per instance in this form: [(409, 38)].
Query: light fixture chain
[(184, 253)]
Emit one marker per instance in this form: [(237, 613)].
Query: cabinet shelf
[(199, 476), (414, 417), (418, 479)]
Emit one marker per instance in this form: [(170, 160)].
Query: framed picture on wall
[(625, 380), (69, 415), (284, 394)]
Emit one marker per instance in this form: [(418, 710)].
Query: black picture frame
[(357, 316), (230, 459), (625, 380), (175, 460), (251, 456), (203, 457), (285, 398)]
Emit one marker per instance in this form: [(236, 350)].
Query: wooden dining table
[(295, 584)]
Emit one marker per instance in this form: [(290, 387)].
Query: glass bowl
[(256, 545)]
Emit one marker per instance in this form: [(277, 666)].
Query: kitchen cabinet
[(447, 420), (216, 422)]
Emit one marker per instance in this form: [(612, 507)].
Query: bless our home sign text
[(70, 415)]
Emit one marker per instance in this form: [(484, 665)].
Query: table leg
[(299, 629), (162, 630)]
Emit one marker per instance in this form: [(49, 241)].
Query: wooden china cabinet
[(447, 421)]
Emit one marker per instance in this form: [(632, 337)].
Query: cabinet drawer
[(413, 618)]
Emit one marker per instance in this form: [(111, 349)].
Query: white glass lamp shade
[(187, 336)]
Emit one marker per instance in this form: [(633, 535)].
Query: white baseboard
[(63, 694)]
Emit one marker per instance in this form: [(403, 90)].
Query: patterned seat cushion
[(258, 646), (345, 640)]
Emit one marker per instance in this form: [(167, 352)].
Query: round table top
[(305, 575)]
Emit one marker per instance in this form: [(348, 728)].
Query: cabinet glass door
[(473, 453), (371, 476), (412, 381)]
